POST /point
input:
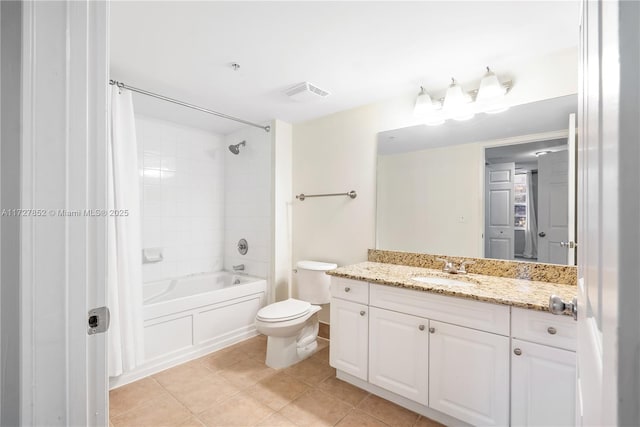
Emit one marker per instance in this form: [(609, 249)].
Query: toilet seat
[(284, 310)]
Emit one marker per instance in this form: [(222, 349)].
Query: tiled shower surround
[(182, 178), (199, 199)]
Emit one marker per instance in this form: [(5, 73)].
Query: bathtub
[(189, 317)]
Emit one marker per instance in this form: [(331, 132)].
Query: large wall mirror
[(496, 186)]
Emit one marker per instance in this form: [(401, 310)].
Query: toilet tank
[(313, 283)]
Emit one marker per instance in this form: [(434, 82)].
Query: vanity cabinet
[(350, 328), (469, 374), (543, 369), (445, 356), (399, 353)]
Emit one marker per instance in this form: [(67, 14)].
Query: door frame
[(63, 375)]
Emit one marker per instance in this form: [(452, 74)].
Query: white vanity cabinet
[(543, 369), (350, 327), (469, 374), (399, 353)]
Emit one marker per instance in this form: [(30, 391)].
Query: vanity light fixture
[(491, 93), (458, 104), (423, 104)]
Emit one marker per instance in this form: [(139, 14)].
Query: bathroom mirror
[(477, 188)]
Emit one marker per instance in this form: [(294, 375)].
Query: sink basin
[(443, 282)]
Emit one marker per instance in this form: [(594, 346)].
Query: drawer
[(472, 314), (350, 290), (544, 328)]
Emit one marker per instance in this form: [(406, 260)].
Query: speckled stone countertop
[(522, 293)]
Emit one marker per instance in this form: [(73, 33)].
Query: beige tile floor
[(233, 387)]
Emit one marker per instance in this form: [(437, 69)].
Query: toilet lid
[(284, 310)]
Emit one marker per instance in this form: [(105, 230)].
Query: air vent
[(306, 91)]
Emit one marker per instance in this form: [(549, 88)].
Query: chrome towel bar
[(351, 194)]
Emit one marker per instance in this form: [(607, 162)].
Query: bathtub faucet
[(239, 267)]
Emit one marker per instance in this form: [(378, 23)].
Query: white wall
[(247, 201), (182, 173), (337, 153), (427, 203), (282, 204)]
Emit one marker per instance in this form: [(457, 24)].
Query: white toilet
[(292, 325)]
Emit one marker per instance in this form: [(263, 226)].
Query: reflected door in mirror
[(499, 233), (553, 221)]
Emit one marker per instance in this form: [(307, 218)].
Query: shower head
[(235, 149)]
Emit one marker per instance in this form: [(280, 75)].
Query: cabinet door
[(469, 374), (349, 337), (543, 385), (398, 353)]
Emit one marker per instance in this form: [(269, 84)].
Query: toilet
[(291, 326)]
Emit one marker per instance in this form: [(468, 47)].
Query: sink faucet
[(449, 266), (239, 267)]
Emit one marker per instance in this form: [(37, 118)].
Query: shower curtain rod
[(184, 104)]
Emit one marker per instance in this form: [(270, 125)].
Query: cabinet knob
[(551, 330), (517, 351), (362, 313), (432, 330), (421, 327), (347, 289)]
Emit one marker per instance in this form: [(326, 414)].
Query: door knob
[(421, 327), (517, 351), (362, 313), (347, 289), (432, 330), (558, 306), (542, 234)]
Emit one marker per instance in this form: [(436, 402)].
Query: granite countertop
[(530, 294)]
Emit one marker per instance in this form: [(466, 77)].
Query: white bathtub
[(188, 317)]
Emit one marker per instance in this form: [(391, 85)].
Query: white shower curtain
[(531, 231), (124, 274)]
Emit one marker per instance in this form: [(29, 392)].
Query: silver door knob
[(362, 313), (558, 306), (347, 289), (569, 244), (432, 330), (551, 330), (542, 234), (517, 351), (421, 327)]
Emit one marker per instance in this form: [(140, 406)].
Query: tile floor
[(233, 387)]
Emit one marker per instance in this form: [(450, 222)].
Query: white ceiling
[(359, 51)]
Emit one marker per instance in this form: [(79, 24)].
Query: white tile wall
[(182, 172), (248, 210)]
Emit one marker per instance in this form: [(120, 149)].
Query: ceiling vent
[(305, 91)]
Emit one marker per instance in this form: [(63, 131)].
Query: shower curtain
[(531, 231), (124, 273)]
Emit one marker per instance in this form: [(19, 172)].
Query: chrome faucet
[(239, 267), (449, 266)]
